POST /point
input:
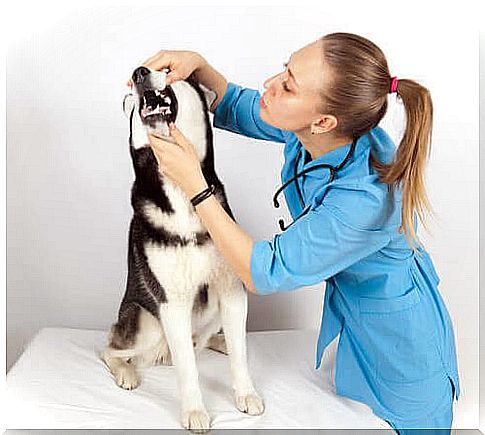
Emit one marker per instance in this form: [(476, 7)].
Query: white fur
[(190, 118), (184, 222), (181, 271)]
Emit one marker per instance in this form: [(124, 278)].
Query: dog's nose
[(139, 74)]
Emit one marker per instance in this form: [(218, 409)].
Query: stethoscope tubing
[(333, 172)]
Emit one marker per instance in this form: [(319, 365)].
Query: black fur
[(142, 288), (202, 298)]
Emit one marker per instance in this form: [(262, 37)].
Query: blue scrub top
[(396, 350)]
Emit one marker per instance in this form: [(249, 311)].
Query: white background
[(69, 172)]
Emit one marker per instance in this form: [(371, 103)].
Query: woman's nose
[(269, 83)]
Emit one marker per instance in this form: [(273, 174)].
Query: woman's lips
[(262, 103)]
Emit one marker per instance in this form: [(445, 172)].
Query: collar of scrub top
[(333, 172)]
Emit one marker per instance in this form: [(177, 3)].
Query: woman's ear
[(324, 124)]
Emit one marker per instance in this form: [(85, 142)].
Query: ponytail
[(407, 169), (357, 94)]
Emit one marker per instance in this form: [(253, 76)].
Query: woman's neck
[(319, 144)]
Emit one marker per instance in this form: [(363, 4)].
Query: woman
[(355, 200)]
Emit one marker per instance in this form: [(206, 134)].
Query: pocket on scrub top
[(399, 335)]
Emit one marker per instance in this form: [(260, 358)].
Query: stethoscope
[(333, 172)]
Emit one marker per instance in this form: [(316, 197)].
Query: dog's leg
[(233, 310), (176, 319), (163, 355), (159, 355), (123, 337), (134, 335)]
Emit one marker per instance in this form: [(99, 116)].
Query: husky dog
[(179, 291)]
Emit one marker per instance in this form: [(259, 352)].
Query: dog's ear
[(209, 95), (128, 104)]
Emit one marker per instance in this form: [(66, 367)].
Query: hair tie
[(393, 85)]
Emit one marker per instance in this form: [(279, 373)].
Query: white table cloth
[(59, 382)]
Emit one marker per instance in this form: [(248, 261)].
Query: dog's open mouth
[(157, 103)]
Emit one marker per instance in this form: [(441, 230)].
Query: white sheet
[(59, 382)]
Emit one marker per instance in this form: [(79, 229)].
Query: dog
[(180, 291)]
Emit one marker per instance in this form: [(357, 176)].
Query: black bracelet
[(197, 199)]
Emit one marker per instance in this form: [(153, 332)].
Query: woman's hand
[(179, 161), (181, 64)]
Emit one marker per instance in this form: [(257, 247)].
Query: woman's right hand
[(180, 63)]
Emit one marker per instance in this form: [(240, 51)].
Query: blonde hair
[(356, 94)]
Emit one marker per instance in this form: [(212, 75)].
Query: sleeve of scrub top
[(325, 241), (239, 112)]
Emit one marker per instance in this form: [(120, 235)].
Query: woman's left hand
[(178, 161)]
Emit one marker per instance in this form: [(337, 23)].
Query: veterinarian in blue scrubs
[(349, 190)]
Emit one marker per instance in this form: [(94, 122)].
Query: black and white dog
[(179, 291)]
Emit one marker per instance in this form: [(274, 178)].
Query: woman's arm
[(234, 244), (180, 163)]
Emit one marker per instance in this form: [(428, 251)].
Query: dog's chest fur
[(183, 222), (180, 270)]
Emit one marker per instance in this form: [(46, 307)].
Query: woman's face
[(292, 97)]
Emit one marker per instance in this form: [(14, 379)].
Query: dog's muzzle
[(154, 102)]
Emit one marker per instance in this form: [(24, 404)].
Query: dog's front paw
[(251, 404), (197, 421)]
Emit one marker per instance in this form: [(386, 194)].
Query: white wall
[(69, 173)]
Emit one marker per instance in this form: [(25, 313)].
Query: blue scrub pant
[(439, 422)]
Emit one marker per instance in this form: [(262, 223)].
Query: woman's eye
[(285, 87)]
